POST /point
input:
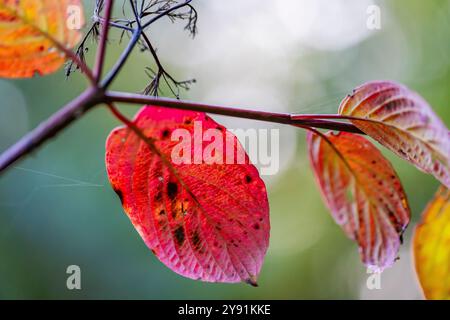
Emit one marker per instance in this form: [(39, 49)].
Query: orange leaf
[(402, 121), (363, 193), (431, 247), (32, 33), (205, 221)]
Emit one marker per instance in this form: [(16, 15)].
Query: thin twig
[(100, 59), (152, 88), (136, 14), (165, 13), (82, 50), (72, 56)]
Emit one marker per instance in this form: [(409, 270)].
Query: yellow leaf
[(432, 247), (33, 34)]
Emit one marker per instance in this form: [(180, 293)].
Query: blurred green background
[(57, 208)]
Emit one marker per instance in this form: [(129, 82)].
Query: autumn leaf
[(363, 193), (205, 220), (402, 121), (431, 246), (33, 34)]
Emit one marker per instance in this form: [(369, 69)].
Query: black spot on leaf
[(165, 133), (179, 235), (196, 241), (172, 190)]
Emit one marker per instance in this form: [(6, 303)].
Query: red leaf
[(363, 193), (402, 121), (204, 221)]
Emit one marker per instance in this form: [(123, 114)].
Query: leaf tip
[(252, 281)]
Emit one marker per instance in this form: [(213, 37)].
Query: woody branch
[(98, 94)]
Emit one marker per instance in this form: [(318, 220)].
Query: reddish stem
[(284, 118), (318, 116)]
